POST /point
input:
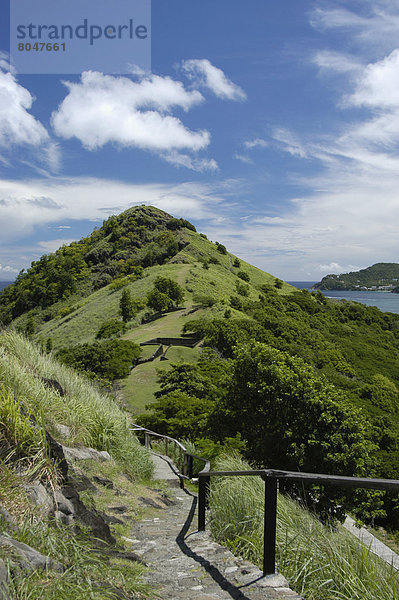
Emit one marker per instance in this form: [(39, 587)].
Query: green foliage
[(110, 328), (242, 289), (110, 359), (318, 561), (126, 307), (93, 417), (89, 572), (158, 301), (166, 294), (243, 275), (179, 223), (236, 263), (221, 248), (177, 414), (292, 419), (278, 283), (380, 274), (236, 303), (22, 436), (170, 288)]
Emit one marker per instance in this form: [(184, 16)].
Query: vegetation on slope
[(93, 418), (41, 397), (380, 274), (318, 561), (349, 353)]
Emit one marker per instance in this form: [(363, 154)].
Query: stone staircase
[(187, 564)]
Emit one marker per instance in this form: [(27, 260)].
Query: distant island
[(383, 277)]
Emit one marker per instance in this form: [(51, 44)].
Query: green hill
[(378, 276), (229, 305)]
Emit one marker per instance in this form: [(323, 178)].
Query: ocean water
[(385, 301), (4, 284)]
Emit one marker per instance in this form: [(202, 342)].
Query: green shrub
[(109, 359), (110, 328), (243, 275)]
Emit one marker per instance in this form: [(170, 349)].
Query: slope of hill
[(61, 441), (378, 276), (228, 303), (70, 293)]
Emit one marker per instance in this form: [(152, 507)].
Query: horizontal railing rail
[(188, 457), (271, 478)]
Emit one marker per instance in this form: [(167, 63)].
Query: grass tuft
[(93, 417), (320, 563)]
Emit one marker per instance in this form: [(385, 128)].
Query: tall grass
[(319, 562), (89, 571), (93, 417)]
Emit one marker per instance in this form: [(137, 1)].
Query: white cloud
[(103, 109), (53, 245), (25, 205), (336, 61), (204, 74), (336, 269), (17, 125), (244, 159), (8, 270), (378, 84), (195, 164), (256, 143), (289, 142)]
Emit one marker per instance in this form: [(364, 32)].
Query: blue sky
[(272, 126)]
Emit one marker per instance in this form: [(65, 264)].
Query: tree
[(292, 419), (110, 359), (170, 288), (158, 301), (126, 308)]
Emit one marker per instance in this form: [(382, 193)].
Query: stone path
[(369, 540), (186, 564)]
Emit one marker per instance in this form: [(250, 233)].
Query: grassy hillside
[(75, 414)]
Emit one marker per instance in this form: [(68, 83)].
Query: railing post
[(203, 489), (185, 464), (166, 446), (189, 466), (146, 440), (269, 535)]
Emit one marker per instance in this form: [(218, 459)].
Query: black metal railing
[(187, 461), (271, 478)]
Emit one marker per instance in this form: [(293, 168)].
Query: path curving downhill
[(187, 564)]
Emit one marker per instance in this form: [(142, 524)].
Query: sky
[(272, 126)]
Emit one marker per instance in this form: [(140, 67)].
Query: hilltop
[(342, 356), (381, 276), (69, 293)]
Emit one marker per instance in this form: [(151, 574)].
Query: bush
[(243, 275), (110, 328), (221, 248), (110, 359)]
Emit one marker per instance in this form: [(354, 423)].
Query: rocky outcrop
[(29, 558), (72, 454)]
